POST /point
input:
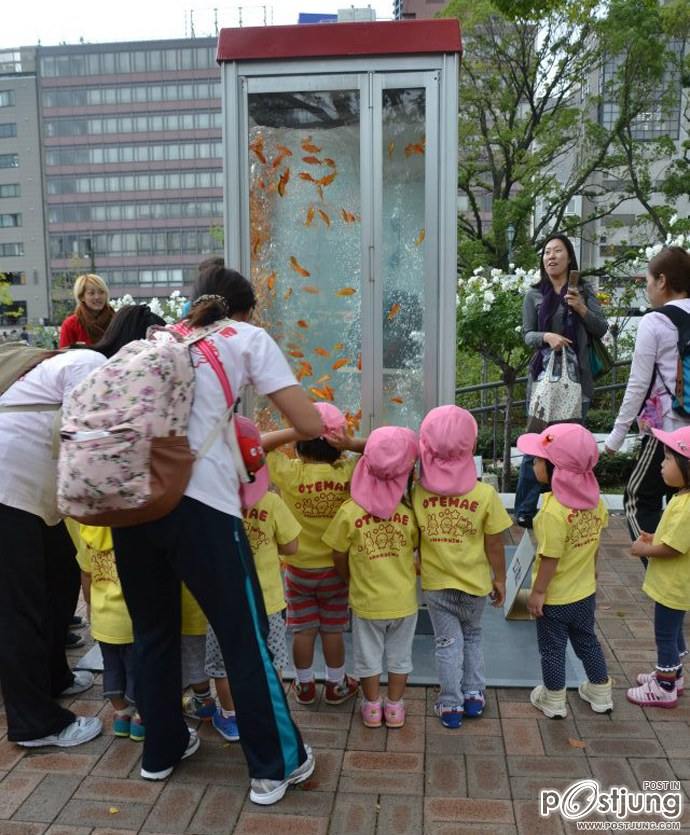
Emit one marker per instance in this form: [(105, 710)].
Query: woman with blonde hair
[(92, 314)]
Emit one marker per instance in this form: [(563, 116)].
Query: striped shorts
[(316, 599)]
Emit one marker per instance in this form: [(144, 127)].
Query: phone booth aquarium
[(340, 204)]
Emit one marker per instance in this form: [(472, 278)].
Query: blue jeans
[(668, 634)]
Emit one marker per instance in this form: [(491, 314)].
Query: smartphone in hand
[(573, 279)]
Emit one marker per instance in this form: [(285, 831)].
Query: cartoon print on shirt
[(448, 525), (584, 528), (257, 538), (321, 506), (103, 568)]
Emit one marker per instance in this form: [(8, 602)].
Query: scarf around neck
[(548, 307), (94, 324)]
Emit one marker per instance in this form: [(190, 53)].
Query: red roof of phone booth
[(322, 40)]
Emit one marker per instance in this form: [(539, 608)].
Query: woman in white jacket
[(651, 384)]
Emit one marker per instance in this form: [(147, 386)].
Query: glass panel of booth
[(403, 226), (305, 236)]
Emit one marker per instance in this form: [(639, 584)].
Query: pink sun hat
[(381, 474), (333, 420), (678, 441), (447, 438), (249, 439), (573, 451)]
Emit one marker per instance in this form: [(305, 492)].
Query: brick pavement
[(484, 777)]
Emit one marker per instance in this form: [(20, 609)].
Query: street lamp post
[(510, 237)]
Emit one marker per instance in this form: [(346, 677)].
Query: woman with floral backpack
[(202, 542)]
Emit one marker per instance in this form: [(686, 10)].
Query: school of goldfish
[(276, 175)]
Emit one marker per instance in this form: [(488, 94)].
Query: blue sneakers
[(226, 726), (198, 707), (450, 715), (474, 704)]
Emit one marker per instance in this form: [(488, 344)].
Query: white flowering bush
[(677, 236), (489, 323), (490, 314), (169, 309)]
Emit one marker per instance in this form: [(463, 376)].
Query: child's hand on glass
[(498, 595), (535, 603), (640, 545)]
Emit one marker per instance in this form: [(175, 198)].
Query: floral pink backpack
[(124, 453)]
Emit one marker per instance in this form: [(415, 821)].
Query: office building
[(23, 263)]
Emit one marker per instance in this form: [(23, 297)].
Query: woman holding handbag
[(648, 393), (556, 316)]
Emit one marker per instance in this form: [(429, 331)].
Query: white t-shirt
[(28, 471), (249, 356)]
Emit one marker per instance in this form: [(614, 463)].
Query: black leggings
[(38, 578), (208, 550)]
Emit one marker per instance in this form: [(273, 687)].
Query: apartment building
[(419, 9), (133, 161), (23, 262)]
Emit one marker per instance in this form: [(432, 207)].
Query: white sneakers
[(265, 792), (192, 748), (599, 696), (550, 702), (83, 681), (83, 729)]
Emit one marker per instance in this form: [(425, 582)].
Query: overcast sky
[(25, 22)]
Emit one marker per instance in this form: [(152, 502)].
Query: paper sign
[(515, 576)]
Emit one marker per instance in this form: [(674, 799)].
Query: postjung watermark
[(662, 799)]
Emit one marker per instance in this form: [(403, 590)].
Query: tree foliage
[(532, 90)]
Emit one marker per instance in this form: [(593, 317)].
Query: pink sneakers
[(652, 694), (394, 713), (642, 678), (371, 713)]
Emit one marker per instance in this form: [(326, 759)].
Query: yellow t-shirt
[(452, 537), (667, 579), (313, 492), (269, 524), (571, 537), (110, 621), (383, 581)]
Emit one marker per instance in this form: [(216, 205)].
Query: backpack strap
[(681, 320)]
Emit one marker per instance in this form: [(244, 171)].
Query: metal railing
[(488, 413)]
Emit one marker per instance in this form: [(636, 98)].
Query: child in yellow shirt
[(563, 596), (667, 579), (374, 537), (313, 486), (462, 556)]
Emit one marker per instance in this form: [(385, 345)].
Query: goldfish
[(320, 191), (305, 175), (324, 217), (310, 216), (414, 148), (294, 346), (346, 291), (287, 294), (300, 374), (302, 324), (391, 148), (280, 156), (348, 217), (329, 162), (338, 346), (283, 181), (327, 180), (309, 147), (397, 400), (322, 352), (353, 420), (312, 160), (271, 281), (309, 288), (325, 393), (307, 366), (359, 362), (418, 240), (340, 363), (393, 312), (324, 378), (257, 146), (261, 184), (297, 354), (298, 268)]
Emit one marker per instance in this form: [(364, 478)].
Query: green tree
[(530, 133)]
